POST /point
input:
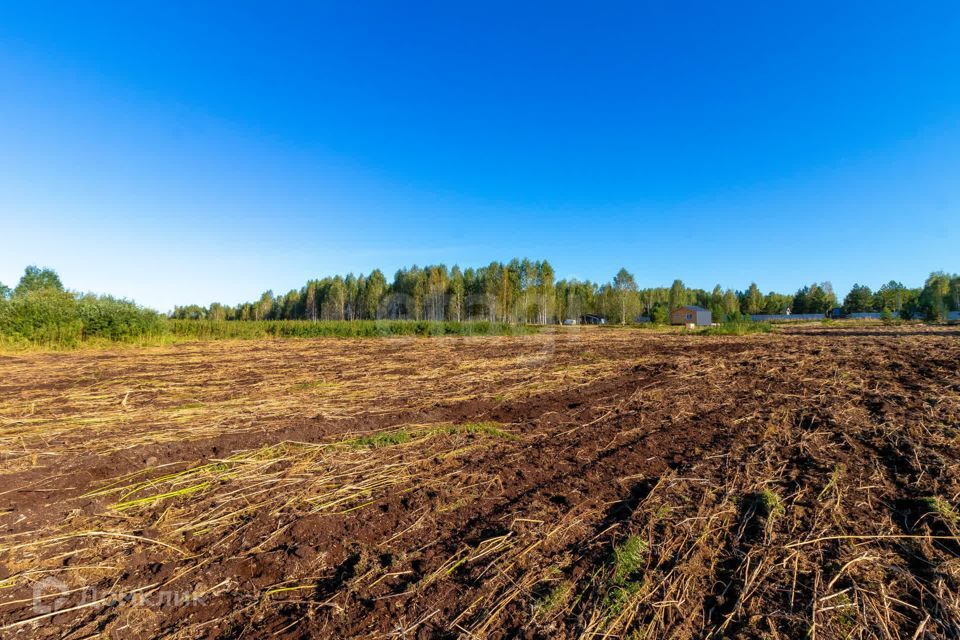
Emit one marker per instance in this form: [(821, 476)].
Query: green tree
[(859, 300), (373, 293), (625, 288), (36, 279), (659, 313), (678, 294), (336, 300), (456, 294), (263, 310), (935, 298), (5, 291), (310, 301), (730, 305), (217, 312), (890, 296), (754, 300), (544, 285)]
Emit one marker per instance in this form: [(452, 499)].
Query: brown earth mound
[(589, 483)]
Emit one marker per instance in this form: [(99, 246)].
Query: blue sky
[(190, 152)]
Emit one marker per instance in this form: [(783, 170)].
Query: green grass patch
[(738, 328), (493, 429), (767, 503), (253, 329), (942, 508), (553, 600), (628, 560), (379, 440), (383, 439)]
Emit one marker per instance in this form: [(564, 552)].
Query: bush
[(659, 314), (53, 318), (113, 319), (46, 317)]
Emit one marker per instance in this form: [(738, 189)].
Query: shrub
[(113, 319), (46, 317)]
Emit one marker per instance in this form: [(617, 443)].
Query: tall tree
[(859, 300), (263, 310), (890, 296), (936, 297), (544, 291), (373, 293), (37, 279), (456, 294), (754, 299), (625, 287), (678, 294), (310, 301)]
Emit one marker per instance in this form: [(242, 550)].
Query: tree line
[(527, 292), (500, 298)]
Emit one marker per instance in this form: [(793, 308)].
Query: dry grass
[(604, 484)]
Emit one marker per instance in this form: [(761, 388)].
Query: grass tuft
[(628, 559), (554, 600), (944, 509), (770, 504), (379, 440)]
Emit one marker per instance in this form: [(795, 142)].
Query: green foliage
[(860, 299), (739, 327), (628, 560), (944, 509), (940, 294), (754, 302), (816, 298), (223, 330), (45, 316), (492, 429), (55, 318), (769, 504), (554, 600), (37, 279), (379, 440), (660, 314), (112, 319), (498, 299)]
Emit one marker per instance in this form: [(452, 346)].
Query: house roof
[(693, 307)]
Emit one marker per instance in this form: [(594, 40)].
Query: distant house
[(691, 314), (593, 319)]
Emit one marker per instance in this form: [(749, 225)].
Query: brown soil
[(582, 483)]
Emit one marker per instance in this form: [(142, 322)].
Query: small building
[(593, 319), (691, 314)]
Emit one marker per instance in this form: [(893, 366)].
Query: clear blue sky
[(177, 152)]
